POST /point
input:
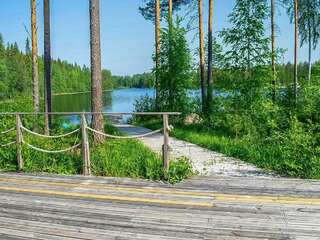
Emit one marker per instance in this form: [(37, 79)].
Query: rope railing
[(125, 137), (50, 136), (7, 144), (51, 151), (7, 131), (85, 143)]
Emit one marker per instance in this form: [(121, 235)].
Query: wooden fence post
[(85, 147), (165, 147), (19, 143)]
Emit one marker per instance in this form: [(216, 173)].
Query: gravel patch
[(205, 162)]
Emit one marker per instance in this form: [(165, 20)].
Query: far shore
[(74, 93)]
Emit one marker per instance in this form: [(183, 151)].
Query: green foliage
[(175, 69), (117, 158), (144, 80), (308, 20), (148, 9), (16, 74), (246, 38)]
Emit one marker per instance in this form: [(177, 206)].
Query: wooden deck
[(68, 208)]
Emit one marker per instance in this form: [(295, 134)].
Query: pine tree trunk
[(295, 51), (170, 19), (96, 75), (273, 51), (157, 41), (210, 60), (35, 73), (310, 54), (202, 58), (47, 64), (170, 10)]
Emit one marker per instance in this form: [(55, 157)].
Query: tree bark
[(296, 39), (157, 41), (34, 53), (170, 21), (170, 10), (202, 58), (310, 53), (273, 51), (210, 60), (96, 75), (47, 64)]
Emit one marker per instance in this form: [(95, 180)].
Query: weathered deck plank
[(77, 207)]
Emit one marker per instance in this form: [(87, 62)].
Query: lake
[(117, 100)]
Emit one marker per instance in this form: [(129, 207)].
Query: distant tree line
[(16, 74)]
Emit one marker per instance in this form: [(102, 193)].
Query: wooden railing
[(84, 129)]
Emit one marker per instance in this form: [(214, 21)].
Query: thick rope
[(125, 137), (8, 144), (47, 136), (7, 131), (52, 152)]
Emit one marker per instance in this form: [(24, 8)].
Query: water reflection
[(118, 100)]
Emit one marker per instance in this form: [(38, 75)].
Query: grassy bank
[(116, 158), (290, 153)]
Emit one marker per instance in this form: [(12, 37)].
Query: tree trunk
[(202, 58), (47, 64), (96, 75), (210, 42), (35, 73), (273, 51), (170, 21), (296, 51), (170, 10), (310, 52), (157, 40)]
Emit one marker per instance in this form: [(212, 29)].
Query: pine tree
[(202, 57), (28, 47), (210, 59), (147, 10), (308, 25), (273, 49), (47, 64), (96, 75), (35, 70), (3, 71)]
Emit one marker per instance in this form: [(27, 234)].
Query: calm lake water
[(118, 100)]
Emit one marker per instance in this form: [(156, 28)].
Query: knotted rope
[(7, 144), (47, 136), (51, 151), (125, 137), (7, 131)]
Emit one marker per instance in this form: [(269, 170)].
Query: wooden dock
[(77, 207)]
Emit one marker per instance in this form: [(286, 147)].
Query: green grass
[(115, 158), (289, 154)]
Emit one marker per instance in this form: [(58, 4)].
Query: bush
[(116, 158)]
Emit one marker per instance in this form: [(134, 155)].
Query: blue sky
[(127, 39)]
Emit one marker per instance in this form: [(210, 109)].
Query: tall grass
[(115, 158)]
